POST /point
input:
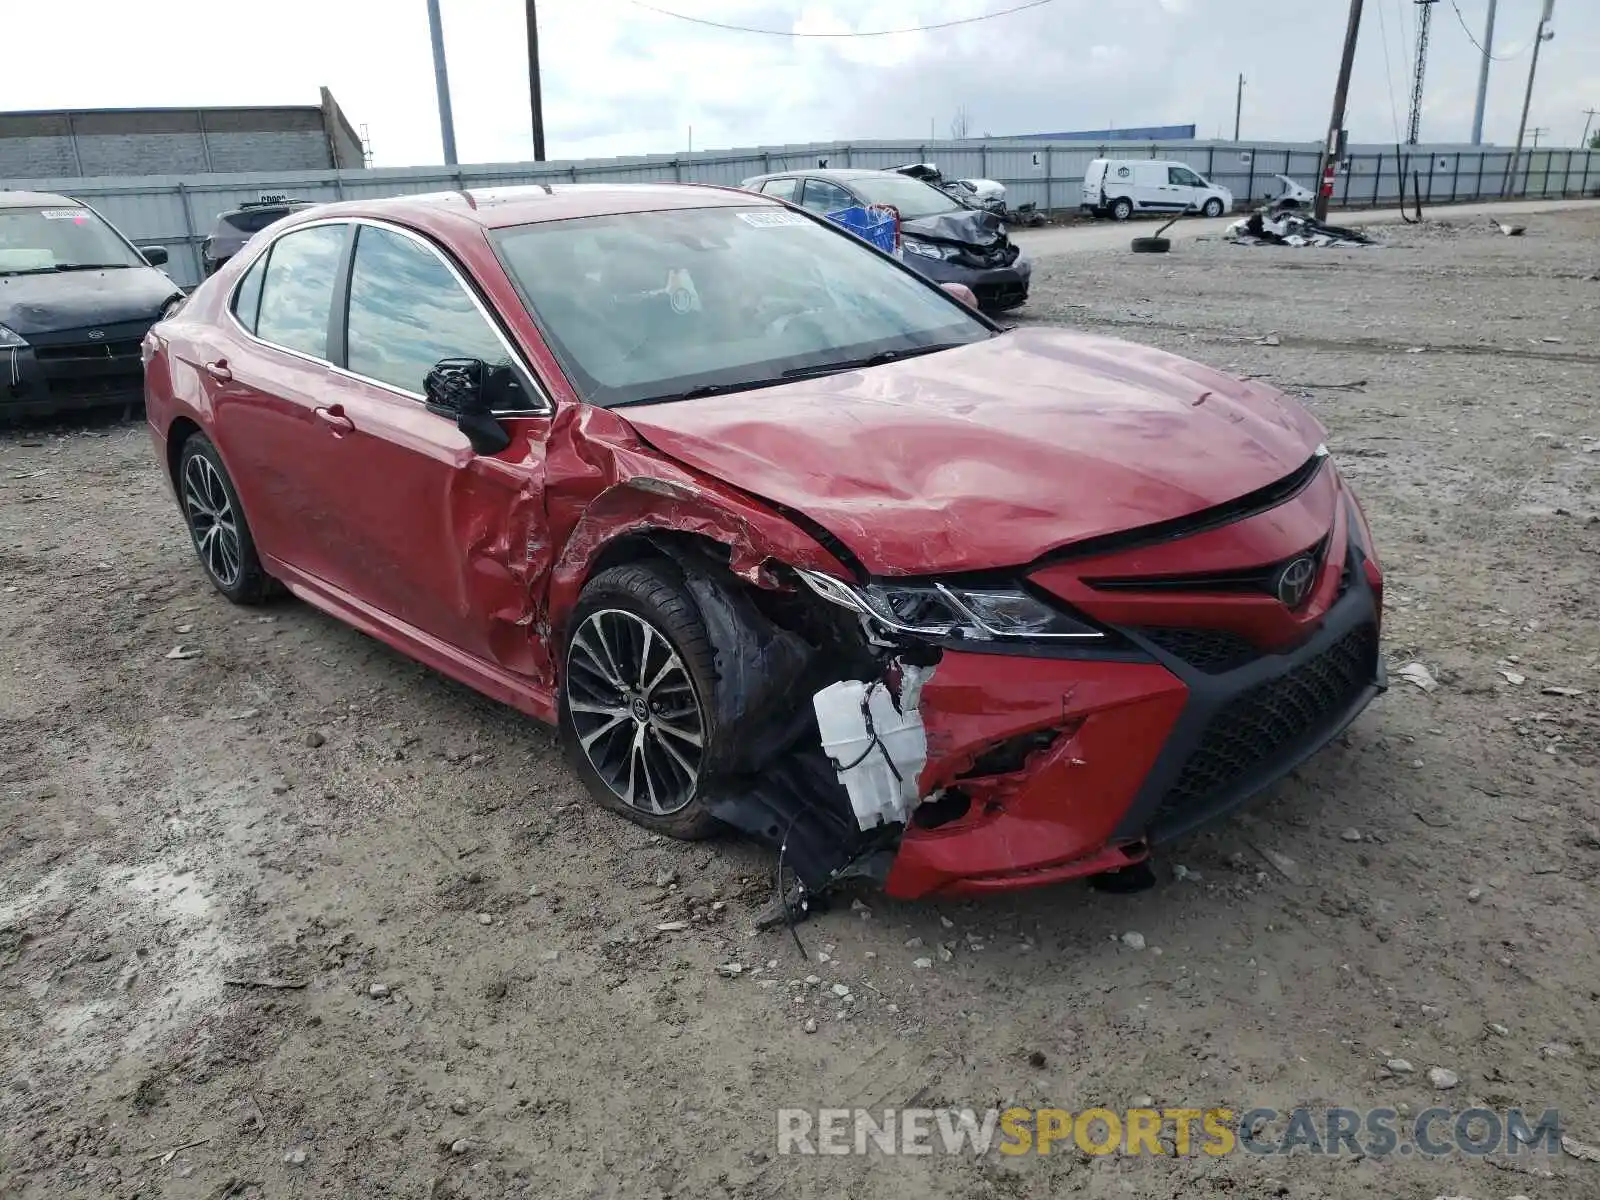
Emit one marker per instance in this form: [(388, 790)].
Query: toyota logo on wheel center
[(1294, 583)]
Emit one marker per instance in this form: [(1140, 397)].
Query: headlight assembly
[(10, 341), (912, 245), (941, 611)]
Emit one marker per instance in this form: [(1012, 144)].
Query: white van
[(1120, 187)]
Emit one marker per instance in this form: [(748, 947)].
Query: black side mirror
[(156, 256), (455, 388)]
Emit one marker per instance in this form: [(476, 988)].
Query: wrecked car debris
[(1288, 227)]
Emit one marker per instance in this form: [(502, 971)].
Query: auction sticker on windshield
[(763, 220), (62, 214)]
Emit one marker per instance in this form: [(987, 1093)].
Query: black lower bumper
[(995, 287), (72, 371), (1244, 729)]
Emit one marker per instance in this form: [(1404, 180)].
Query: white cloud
[(618, 79)]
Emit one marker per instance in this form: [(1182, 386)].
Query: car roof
[(501, 207), (37, 200), (827, 173)]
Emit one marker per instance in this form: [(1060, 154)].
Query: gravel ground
[(294, 916)]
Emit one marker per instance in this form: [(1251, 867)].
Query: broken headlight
[(940, 611), (913, 245)]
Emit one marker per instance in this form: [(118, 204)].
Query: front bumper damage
[(1040, 767)]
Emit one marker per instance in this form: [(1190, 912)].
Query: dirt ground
[(295, 805)]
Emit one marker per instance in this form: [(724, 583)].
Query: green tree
[(1594, 142)]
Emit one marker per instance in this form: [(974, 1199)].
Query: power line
[(786, 33), (1388, 72), (1474, 41)]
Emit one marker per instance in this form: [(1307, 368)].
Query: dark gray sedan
[(942, 238)]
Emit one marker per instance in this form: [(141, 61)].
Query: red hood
[(992, 454)]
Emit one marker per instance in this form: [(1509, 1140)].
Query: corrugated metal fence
[(178, 211)]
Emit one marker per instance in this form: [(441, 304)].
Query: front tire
[(637, 715), (1121, 209), (1213, 207), (217, 525)]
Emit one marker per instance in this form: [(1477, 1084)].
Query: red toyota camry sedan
[(783, 536)]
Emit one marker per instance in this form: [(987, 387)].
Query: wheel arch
[(178, 433)]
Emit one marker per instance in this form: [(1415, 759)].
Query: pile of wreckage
[(1287, 224)]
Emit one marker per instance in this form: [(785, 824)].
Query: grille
[(1271, 718), (1209, 650), (92, 352)]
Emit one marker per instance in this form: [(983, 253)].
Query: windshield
[(650, 306), (38, 240), (912, 197)]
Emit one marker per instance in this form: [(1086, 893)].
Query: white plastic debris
[(877, 746), (1415, 672)]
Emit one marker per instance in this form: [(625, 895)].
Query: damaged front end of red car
[(1019, 727)]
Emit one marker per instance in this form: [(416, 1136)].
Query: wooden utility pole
[(1540, 38), (1589, 115), (1238, 108), (535, 92), (1335, 138)]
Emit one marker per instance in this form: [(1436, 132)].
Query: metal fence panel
[(178, 211)]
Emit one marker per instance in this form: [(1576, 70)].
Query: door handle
[(219, 370), (333, 416)]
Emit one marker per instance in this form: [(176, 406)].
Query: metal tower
[(1424, 19)]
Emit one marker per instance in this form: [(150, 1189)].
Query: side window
[(783, 189), (1187, 178), (824, 197), (247, 298), (297, 290), (407, 312)]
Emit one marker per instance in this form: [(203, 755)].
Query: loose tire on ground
[(217, 525), (605, 639), (1151, 245)]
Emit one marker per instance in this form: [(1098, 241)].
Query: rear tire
[(638, 718), (1121, 209), (1213, 207), (1151, 245), (217, 525)]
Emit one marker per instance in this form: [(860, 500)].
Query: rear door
[(267, 379), (824, 196)]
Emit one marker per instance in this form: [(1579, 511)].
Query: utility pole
[(1534, 134), (1424, 23), (441, 81), (1483, 78), (535, 91), (1238, 108), (1539, 39), (1335, 138), (1589, 115)]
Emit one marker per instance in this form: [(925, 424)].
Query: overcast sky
[(621, 80)]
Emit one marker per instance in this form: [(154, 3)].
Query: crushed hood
[(47, 303), (992, 454), (969, 227)]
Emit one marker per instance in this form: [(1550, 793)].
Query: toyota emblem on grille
[(96, 335), (1294, 582)]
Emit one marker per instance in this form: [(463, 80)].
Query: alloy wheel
[(635, 711), (212, 520)]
